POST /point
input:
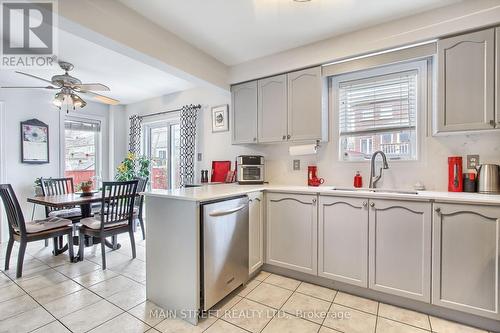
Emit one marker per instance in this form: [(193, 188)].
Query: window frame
[(99, 140), (423, 85), (147, 127)]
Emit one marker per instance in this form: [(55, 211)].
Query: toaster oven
[(250, 169)]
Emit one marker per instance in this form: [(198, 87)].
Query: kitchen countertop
[(221, 191)]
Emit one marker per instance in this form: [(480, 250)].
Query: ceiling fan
[(69, 86)]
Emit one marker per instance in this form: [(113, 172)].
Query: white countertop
[(221, 191)]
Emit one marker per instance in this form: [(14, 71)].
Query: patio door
[(162, 145)]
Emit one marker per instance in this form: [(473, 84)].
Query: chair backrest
[(56, 186), (142, 182), (12, 209), (117, 203)]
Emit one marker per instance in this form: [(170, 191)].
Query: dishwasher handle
[(226, 212)]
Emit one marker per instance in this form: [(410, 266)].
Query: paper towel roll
[(303, 150)]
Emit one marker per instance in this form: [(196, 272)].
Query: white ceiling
[(129, 80), (235, 31)]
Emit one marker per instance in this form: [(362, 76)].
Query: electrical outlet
[(296, 165), (200, 157), (472, 161)]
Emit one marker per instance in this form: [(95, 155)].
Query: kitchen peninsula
[(400, 247)]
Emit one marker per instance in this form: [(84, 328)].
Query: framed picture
[(34, 142), (220, 118)]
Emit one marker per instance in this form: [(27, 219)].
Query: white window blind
[(82, 125), (378, 104)]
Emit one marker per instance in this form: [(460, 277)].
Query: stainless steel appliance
[(225, 248), (488, 178), (250, 169)]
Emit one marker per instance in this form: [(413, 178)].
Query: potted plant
[(133, 167), (85, 187)]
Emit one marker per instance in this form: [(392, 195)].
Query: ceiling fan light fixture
[(59, 99), (77, 101)]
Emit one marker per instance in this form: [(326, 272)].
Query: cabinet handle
[(288, 136), (438, 210), (254, 139), (257, 199), (372, 204), (250, 200), (365, 203), (284, 137), (314, 202), (492, 123)]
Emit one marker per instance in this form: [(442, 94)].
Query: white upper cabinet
[(292, 231), (466, 82), (272, 109), (307, 118), (244, 113), (343, 239), (400, 248), (256, 231), (466, 258)]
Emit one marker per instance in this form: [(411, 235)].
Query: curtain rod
[(170, 111)]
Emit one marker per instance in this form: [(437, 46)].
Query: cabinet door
[(256, 231), (272, 109), (466, 82), (306, 116), (292, 229), (244, 114), (343, 240), (497, 77), (400, 248), (466, 258)]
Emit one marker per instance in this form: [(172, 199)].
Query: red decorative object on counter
[(455, 178), (312, 176), (358, 180), (219, 171)]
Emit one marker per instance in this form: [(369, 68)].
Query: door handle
[(226, 212), (372, 204), (365, 203)]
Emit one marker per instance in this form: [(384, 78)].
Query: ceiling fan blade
[(38, 78), (101, 98), (91, 86), (46, 87)]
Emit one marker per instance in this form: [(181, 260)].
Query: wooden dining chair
[(116, 216), (58, 186), (142, 182), (25, 232)]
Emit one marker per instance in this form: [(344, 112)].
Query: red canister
[(358, 180), (455, 179)]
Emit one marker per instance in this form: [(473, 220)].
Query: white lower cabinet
[(400, 248), (466, 258), (256, 231), (343, 239), (292, 229)]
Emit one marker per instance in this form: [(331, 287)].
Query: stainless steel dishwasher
[(224, 248)]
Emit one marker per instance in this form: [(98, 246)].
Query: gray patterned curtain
[(188, 143), (134, 145)]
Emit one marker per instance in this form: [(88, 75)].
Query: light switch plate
[(296, 165), (472, 161)]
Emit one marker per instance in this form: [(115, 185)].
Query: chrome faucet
[(374, 179)]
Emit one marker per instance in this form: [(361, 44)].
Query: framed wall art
[(220, 118), (34, 142)]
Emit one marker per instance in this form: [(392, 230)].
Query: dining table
[(85, 202)]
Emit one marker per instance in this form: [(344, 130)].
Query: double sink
[(378, 190)]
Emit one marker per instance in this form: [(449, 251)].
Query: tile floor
[(56, 296)]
